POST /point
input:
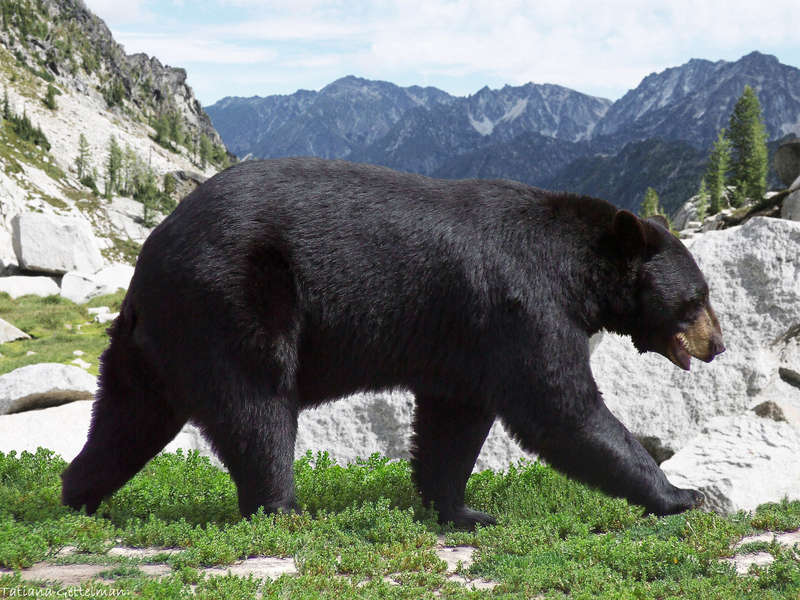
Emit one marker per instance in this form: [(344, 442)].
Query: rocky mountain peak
[(692, 102)]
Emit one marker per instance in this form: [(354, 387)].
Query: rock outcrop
[(787, 161), (42, 385), (10, 333), (82, 287), (739, 462), (753, 272), (21, 285), (52, 244)]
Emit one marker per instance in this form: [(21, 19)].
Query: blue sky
[(256, 47)]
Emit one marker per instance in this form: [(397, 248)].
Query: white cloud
[(114, 11), (598, 47), (188, 48)]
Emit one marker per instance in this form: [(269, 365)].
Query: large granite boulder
[(363, 424), (10, 333), (790, 208), (52, 244), (64, 428), (23, 285), (787, 161), (753, 271), (43, 385), (740, 462), (82, 287)]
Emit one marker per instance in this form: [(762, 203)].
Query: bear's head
[(673, 315)]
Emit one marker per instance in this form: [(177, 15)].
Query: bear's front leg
[(448, 436), (595, 447)]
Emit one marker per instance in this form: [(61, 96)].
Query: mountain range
[(658, 134)]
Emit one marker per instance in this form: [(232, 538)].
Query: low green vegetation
[(57, 326), (23, 143), (363, 531)]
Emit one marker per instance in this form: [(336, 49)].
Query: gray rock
[(52, 244), (42, 385), (686, 213), (186, 182), (82, 287), (790, 209), (8, 258), (787, 161), (363, 424), (753, 271), (740, 462), (64, 429), (23, 285), (9, 333)]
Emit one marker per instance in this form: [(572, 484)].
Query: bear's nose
[(717, 347)]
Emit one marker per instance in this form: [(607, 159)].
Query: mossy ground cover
[(364, 534)]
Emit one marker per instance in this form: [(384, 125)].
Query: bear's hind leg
[(131, 422), (448, 437), (254, 436)]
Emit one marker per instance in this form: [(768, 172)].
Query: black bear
[(282, 284)]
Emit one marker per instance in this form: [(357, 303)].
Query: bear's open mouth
[(678, 351)]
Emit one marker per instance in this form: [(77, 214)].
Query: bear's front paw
[(464, 517), (679, 500)]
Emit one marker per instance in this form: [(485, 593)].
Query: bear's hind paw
[(467, 518)]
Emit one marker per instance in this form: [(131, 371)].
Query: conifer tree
[(748, 138), (205, 150), (50, 97), (650, 205), (82, 160), (148, 194), (113, 167), (717, 172), (702, 200)]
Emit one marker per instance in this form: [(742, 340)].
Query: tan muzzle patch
[(702, 339)]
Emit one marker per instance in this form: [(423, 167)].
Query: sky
[(259, 47)]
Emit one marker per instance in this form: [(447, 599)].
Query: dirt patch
[(742, 562)]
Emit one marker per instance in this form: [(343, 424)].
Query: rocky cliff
[(64, 80)]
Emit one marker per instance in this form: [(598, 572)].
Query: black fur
[(282, 284)]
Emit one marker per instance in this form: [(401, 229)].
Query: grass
[(57, 326), (363, 530)]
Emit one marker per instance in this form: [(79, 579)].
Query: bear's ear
[(661, 220), (629, 231)]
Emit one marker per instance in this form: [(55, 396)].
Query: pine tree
[(82, 160), (161, 125), (748, 138), (650, 205), (205, 150), (113, 167), (717, 172), (131, 165), (148, 194), (50, 97), (6, 105), (168, 202), (702, 200)]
